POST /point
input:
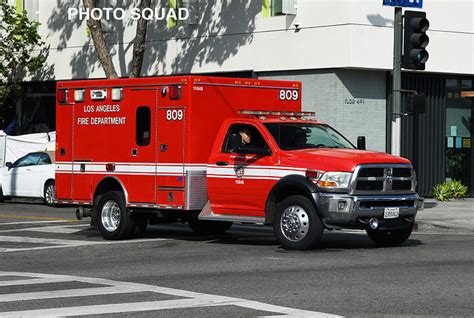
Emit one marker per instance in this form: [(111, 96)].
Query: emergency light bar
[(274, 113)]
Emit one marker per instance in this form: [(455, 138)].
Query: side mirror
[(361, 142), (9, 165), (254, 151), (416, 103)]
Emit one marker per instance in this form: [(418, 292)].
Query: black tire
[(49, 193), (390, 237), (297, 225), (209, 227), (114, 219)]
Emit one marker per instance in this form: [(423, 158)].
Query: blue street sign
[(404, 3)]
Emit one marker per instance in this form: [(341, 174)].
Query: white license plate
[(391, 213)]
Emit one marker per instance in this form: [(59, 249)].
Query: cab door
[(238, 184)]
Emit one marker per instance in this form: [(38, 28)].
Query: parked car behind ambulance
[(31, 176)]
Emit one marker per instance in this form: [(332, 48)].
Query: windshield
[(294, 136)]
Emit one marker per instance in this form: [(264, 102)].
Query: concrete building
[(341, 50)]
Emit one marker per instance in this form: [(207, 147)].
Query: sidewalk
[(454, 215)]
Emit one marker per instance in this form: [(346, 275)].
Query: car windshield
[(294, 136)]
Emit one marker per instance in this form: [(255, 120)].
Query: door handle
[(222, 163)]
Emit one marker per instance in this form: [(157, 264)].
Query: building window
[(459, 132), (31, 8), (278, 7), (191, 5)]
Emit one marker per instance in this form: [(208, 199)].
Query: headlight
[(335, 180)]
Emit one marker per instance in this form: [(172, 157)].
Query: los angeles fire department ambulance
[(136, 151)]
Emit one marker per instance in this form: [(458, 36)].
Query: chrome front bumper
[(352, 211)]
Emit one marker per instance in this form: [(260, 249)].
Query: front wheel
[(49, 193), (297, 225), (115, 221), (389, 237)]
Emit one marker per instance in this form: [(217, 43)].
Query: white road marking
[(30, 222), (61, 229), (80, 292), (191, 299), (56, 243)]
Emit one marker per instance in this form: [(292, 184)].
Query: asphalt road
[(51, 265)]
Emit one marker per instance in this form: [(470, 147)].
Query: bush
[(448, 190)]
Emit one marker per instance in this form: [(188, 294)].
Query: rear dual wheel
[(115, 221)]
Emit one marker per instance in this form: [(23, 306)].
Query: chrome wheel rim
[(294, 223), (50, 194), (111, 215)]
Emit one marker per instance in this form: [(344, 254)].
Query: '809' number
[(174, 114), (289, 94)]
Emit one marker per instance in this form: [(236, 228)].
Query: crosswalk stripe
[(79, 292), (30, 222), (192, 299), (35, 281), (64, 229), (57, 243)]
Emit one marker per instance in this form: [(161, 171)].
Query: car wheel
[(390, 237), (297, 225), (50, 193), (115, 221), (209, 227)]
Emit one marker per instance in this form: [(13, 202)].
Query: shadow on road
[(333, 241)]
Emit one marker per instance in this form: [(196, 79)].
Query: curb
[(426, 226)]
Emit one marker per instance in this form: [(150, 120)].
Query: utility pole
[(397, 83)]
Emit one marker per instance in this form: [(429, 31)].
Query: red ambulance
[(132, 152)]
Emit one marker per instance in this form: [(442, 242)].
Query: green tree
[(21, 50)]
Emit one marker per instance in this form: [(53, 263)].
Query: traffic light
[(415, 40)]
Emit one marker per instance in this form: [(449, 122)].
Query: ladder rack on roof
[(276, 113)]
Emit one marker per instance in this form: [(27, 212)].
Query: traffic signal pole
[(397, 83)]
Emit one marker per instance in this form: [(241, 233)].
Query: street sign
[(404, 3)]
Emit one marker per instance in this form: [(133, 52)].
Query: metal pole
[(397, 83)]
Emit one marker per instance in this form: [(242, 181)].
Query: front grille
[(370, 185), (385, 179)]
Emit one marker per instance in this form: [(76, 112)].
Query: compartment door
[(64, 148), (171, 150), (141, 172)]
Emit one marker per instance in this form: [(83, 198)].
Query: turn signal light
[(110, 167), (327, 184)]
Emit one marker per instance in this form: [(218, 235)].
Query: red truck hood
[(336, 159)]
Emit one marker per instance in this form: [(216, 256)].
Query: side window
[(243, 135), (143, 126), (44, 160), (28, 160)]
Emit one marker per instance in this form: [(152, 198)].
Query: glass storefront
[(459, 132)]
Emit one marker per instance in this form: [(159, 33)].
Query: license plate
[(391, 213)]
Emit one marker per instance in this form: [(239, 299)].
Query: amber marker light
[(327, 184)]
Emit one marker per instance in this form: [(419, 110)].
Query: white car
[(30, 176)]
